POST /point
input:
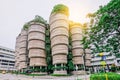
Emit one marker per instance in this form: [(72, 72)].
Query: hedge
[(105, 76)]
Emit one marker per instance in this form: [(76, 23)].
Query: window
[(4, 64), (118, 61), (4, 61), (1, 56), (11, 64)]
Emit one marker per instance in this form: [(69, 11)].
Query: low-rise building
[(117, 62), (109, 60), (7, 59)]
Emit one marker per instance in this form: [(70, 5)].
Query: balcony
[(96, 59), (99, 63), (99, 58), (8, 59), (111, 57), (5, 52)]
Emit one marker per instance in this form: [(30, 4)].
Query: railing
[(99, 63), (99, 58), (1, 51), (8, 59), (96, 59)]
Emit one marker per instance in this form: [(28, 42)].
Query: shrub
[(102, 76)]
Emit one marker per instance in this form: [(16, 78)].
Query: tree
[(104, 30), (70, 65)]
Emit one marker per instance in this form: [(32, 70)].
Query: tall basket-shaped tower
[(23, 50), (59, 27), (36, 46), (77, 48)]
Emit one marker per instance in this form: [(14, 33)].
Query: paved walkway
[(23, 77)]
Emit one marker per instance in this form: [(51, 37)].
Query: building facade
[(107, 64), (117, 62), (46, 48), (109, 61), (7, 59), (41, 47)]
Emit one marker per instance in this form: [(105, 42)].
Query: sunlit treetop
[(89, 15), (60, 8), (71, 23), (74, 24)]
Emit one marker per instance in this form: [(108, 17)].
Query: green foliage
[(60, 8), (70, 65), (26, 26), (47, 31), (102, 76), (38, 69), (59, 67), (104, 31), (48, 51), (70, 56), (117, 55), (37, 19), (47, 40), (70, 62), (71, 24)]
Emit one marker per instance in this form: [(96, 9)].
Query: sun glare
[(78, 15)]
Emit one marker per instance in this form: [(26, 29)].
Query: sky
[(15, 13)]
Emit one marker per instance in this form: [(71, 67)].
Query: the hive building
[(52, 48)]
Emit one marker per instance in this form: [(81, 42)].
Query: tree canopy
[(104, 29)]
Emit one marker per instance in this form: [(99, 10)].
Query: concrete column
[(62, 66), (55, 66), (40, 68)]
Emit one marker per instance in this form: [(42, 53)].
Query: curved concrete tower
[(77, 48), (23, 50), (36, 46), (17, 52), (88, 59), (59, 41)]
